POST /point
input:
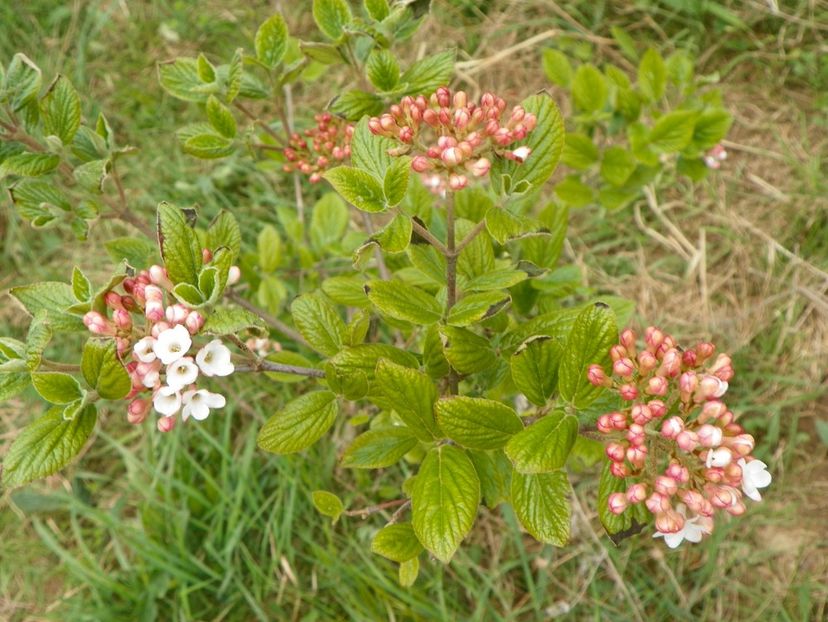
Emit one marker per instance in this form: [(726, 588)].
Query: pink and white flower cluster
[(156, 349), (675, 442), (452, 137), (313, 151), (714, 158)]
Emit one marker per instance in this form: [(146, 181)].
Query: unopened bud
[(166, 424), (672, 427), (457, 182), (628, 392), (233, 275), (636, 493), (137, 410), (623, 367), (657, 385), (617, 503), (687, 440), (194, 322), (710, 435), (481, 167)]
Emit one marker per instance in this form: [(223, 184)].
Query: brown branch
[(373, 509), (296, 370), (428, 236), (272, 320), (122, 209), (260, 123), (369, 228), (470, 237)]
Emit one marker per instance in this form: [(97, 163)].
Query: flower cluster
[(676, 442), (714, 158), (329, 141), (450, 137), (155, 348)]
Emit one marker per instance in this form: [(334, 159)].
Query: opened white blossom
[(755, 475), (693, 530), (214, 359), (172, 344), (197, 404), (143, 350), (182, 372), (167, 401)]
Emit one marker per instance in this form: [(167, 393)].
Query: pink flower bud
[(461, 119), (158, 276), (710, 435), (637, 455), (98, 324), (194, 322), (669, 522), (137, 410), (653, 337), (623, 367), (388, 123), (206, 255), (737, 509), (687, 440), (481, 167), (452, 156), (636, 493), (627, 339), (647, 362), (597, 377), (742, 444), (619, 469), (457, 182), (671, 363), (619, 420), (693, 499), (688, 359), (520, 154), (158, 328), (166, 424), (154, 311), (113, 300), (176, 314), (615, 452), (443, 95), (628, 392), (635, 434), (375, 126), (617, 503), (233, 275), (604, 424), (153, 293), (617, 352), (657, 385), (641, 414), (721, 496), (704, 351), (420, 164), (122, 319), (711, 387), (677, 472), (666, 486), (315, 178), (688, 382), (672, 427), (657, 503), (657, 408)]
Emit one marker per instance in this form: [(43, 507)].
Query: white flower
[(172, 344), (182, 372), (198, 403), (167, 401), (152, 377), (692, 530), (143, 350), (214, 359), (754, 475)]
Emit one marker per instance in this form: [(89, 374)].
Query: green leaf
[(365, 356), (81, 287), (574, 192), (232, 321), (465, 351), (220, 118), (269, 248), (544, 445), (395, 183), (376, 9), (56, 387), (136, 251), (331, 16), (625, 42), (535, 368), (409, 571), (382, 69), (235, 75), (589, 341), (208, 146), (327, 504), (61, 110), (579, 152), (444, 500), (329, 221), (370, 152), (377, 449), (396, 235), (103, 370), (319, 323), (323, 53), (411, 394), (47, 445), (652, 76), (475, 308), (346, 290), (13, 383), (52, 297), (501, 278), (673, 131), (300, 423), (397, 542), (224, 231), (92, 175), (617, 165), (190, 295), (180, 248), (477, 423), (495, 473), (204, 68), (180, 78), (358, 187), (405, 302), (426, 75), (23, 81), (355, 104), (271, 40), (542, 506), (29, 164), (589, 88), (711, 127), (545, 141), (557, 68)]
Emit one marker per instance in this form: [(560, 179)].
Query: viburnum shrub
[(469, 371)]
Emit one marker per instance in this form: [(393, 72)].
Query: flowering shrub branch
[(440, 318)]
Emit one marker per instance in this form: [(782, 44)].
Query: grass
[(200, 525)]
